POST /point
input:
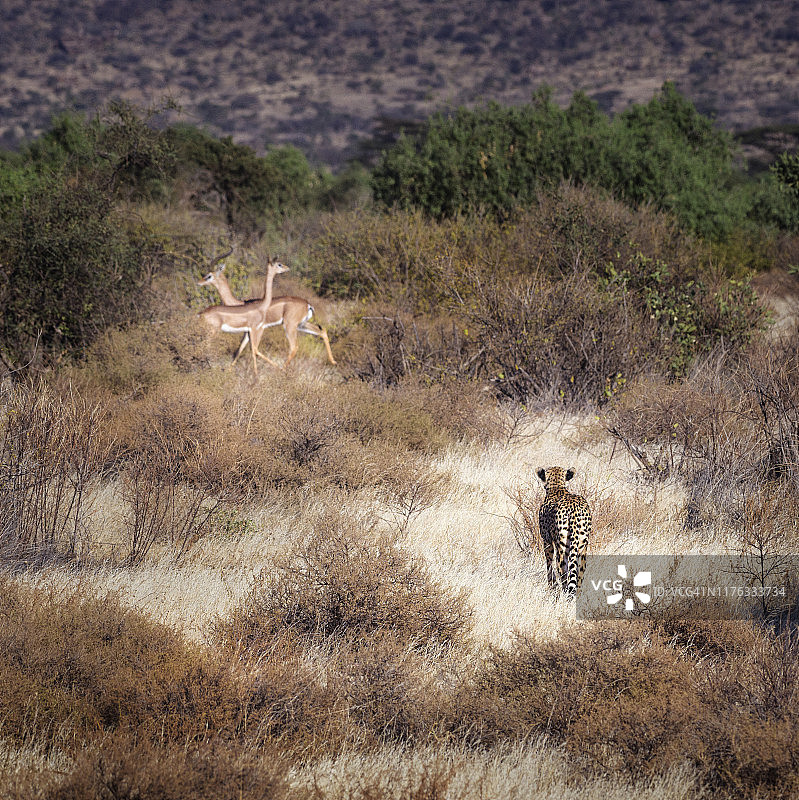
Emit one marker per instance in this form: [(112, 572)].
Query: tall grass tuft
[(54, 451)]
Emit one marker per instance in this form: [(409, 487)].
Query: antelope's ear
[(542, 473), (569, 474)]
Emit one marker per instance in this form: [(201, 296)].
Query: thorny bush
[(345, 580)]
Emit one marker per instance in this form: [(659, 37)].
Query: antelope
[(293, 313), (247, 317), (217, 279)]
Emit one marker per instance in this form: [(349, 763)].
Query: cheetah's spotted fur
[(564, 521)]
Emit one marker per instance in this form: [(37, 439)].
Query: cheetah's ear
[(569, 474), (542, 473)]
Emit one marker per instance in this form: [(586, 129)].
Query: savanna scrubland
[(326, 581)]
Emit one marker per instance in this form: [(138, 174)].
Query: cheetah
[(564, 520)]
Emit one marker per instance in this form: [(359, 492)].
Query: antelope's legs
[(318, 330)]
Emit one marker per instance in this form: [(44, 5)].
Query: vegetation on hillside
[(663, 153), (290, 72), (530, 261), (568, 300)]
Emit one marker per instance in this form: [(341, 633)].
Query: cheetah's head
[(555, 476)]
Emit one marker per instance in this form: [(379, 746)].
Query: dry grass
[(530, 770), (466, 536), (308, 585), (352, 694), (77, 664)]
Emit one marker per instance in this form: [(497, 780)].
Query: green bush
[(777, 201), (496, 158), (252, 188), (492, 158), (668, 154), (120, 148), (69, 268), (69, 138), (70, 264), (786, 171)]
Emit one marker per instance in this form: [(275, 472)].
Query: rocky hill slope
[(329, 76)]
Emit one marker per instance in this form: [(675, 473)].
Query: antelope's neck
[(267, 301), (224, 292)]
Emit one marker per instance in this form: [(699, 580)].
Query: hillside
[(329, 77)]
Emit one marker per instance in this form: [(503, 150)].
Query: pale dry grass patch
[(470, 540), (530, 770), (31, 759), (466, 534), (212, 579), (186, 595), (183, 599)]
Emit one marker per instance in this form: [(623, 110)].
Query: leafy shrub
[(352, 187), (227, 522), (777, 201), (70, 264), (62, 251), (251, 188), (492, 158), (497, 158), (668, 154), (118, 146), (786, 171)]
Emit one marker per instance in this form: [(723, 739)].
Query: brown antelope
[(248, 317), (217, 279), (293, 313)]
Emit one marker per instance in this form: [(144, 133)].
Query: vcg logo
[(614, 588)]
